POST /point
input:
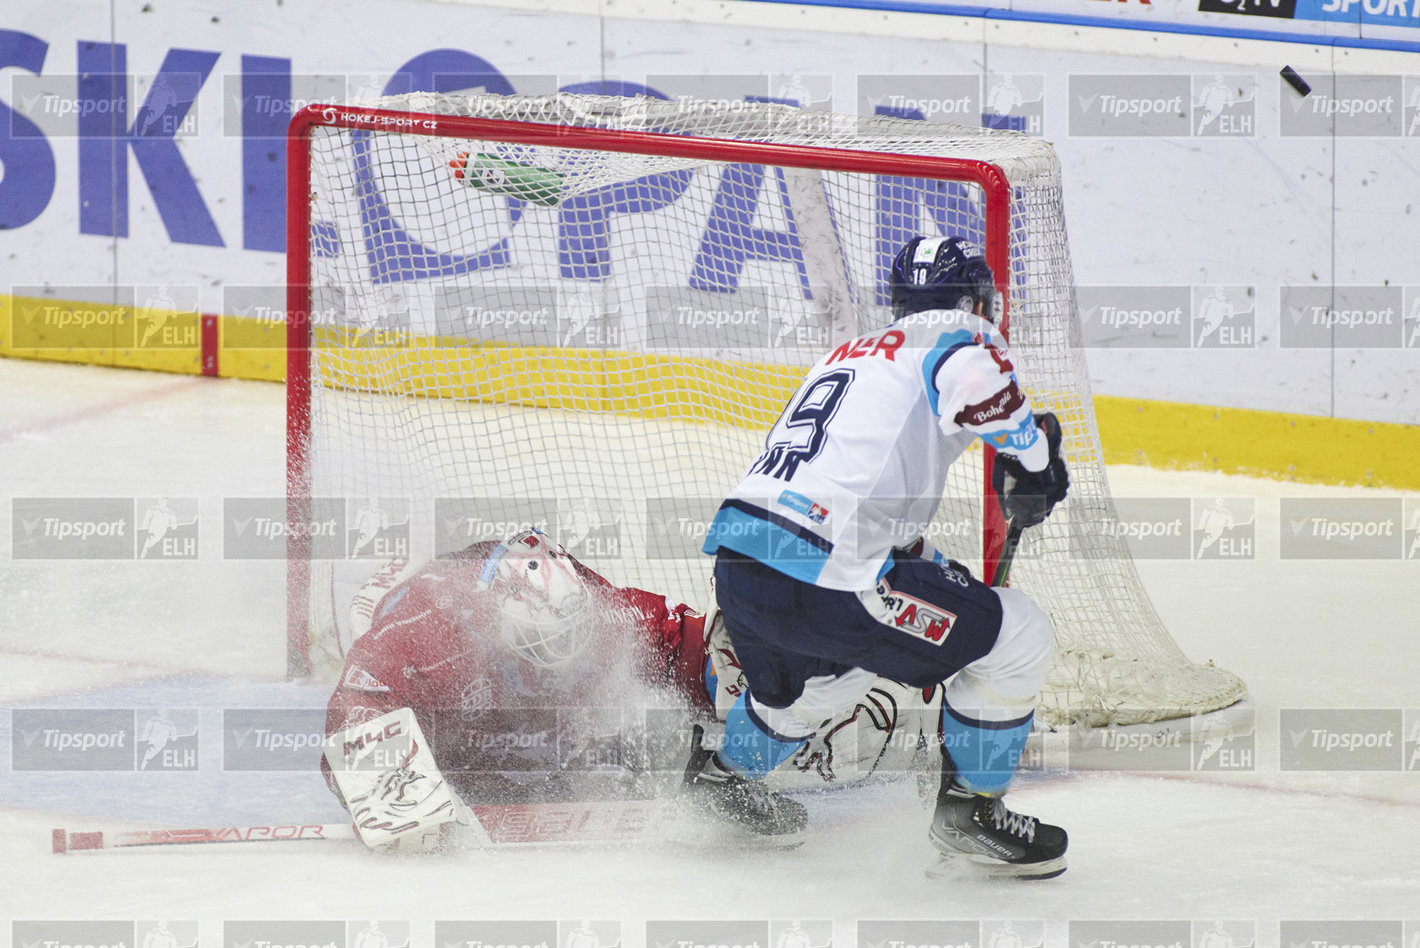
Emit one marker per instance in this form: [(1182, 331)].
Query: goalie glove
[(389, 781), (1027, 497)]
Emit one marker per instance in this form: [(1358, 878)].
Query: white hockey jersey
[(857, 462)]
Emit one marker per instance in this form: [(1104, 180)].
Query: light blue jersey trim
[(794, 555)]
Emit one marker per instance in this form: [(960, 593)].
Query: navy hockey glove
[(1027, 497)]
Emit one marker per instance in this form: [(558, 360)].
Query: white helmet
[(544, 608)]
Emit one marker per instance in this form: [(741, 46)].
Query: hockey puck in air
[(1296, 81)]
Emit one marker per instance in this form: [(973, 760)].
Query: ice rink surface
[(1255, 846)]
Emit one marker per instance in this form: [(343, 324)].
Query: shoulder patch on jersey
[(996, 408), (357, 679)]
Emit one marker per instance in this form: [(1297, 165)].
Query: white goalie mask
[(544, 609)]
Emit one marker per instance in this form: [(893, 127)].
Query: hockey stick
[(1008, 553), (519, 824)]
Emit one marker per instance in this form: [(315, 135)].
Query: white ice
[(1262, 845)]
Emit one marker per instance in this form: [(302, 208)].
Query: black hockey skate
[(746, 803), (995, 840)]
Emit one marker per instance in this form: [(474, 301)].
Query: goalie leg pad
[(391, 784)]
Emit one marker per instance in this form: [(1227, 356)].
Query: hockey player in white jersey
[(819, 592)]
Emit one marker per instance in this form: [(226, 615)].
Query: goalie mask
[(543, 608), (942, 273)]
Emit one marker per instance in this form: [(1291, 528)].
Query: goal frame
[(990, 178)]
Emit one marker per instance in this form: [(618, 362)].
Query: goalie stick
[(518, 824)]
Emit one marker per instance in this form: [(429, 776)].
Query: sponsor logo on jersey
[(358, 679), (915, 616), (477, 695), (803, 505), (999, 406)]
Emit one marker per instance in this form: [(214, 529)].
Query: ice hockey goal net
[(592, 325)]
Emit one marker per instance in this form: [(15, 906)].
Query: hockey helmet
[(941, 273), (544, 609)]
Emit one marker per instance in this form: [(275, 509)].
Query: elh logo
[(1015, 102), (377, 934), (1410, 535), (590, 527), (1223, 743), (1224, 317), (378, 528), (166, 934), (1225, 105), (167, 740), (1233, 934), (1410, 325), (1411, 115), (167, 528), (589, 934), (1224, 528)]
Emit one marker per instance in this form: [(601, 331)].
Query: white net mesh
[(596, 341)]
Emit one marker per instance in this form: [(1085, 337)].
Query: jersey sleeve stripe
[(947, 343)]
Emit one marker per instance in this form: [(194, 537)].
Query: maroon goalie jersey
[(502, 728)]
